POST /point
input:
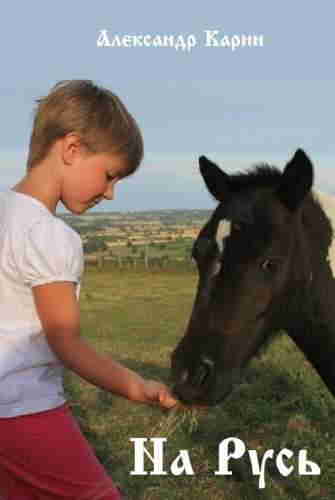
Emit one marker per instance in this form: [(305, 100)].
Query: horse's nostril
[(201, 375), (205, 369), (208, 362), (183, 376)]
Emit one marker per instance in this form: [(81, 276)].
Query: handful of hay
[(178, 416)]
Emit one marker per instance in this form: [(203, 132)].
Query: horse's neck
[(314, 333), (327, 202), (314, 330)]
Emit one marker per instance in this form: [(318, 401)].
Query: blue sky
[(239, 108)]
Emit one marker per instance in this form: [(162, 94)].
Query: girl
[(82, 143)]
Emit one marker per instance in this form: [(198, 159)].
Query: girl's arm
[(58, 310)]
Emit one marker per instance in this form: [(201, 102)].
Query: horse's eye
[(270, 265)]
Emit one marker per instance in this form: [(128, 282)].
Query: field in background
[(152, 238), (138, 316)]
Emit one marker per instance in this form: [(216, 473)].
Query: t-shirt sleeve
[(52, 252)]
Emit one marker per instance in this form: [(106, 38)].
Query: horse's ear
[(297, 180), (216, 180)]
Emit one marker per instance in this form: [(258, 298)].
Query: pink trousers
[(44, 456)]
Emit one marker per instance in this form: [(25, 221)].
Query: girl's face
[(90, 179)]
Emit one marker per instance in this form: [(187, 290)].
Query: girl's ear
[(71, 146), (216, 180), (297, 180)]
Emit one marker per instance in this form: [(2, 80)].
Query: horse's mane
[(261, 175), (315, 218)]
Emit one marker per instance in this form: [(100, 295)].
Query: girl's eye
[(110, 177)]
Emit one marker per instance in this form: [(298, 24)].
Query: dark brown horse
[(263, 262)]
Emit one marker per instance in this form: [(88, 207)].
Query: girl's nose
[(109, 193)]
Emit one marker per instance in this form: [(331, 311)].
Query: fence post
[(146, 257), (100, 261)]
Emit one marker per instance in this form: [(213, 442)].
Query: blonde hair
[(96, 114)]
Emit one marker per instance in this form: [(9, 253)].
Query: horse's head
[(246, 256)]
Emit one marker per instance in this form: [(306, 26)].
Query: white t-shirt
[(36, 247)]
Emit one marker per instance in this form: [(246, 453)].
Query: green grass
[(138, 317)]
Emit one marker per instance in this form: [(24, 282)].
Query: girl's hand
[(156, 392)]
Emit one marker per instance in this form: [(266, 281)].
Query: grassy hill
[(138, 317)]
